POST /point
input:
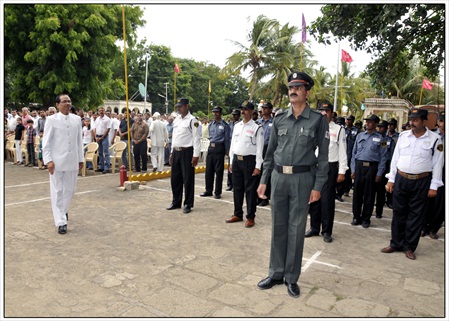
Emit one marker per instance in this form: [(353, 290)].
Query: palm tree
[(252, 57)]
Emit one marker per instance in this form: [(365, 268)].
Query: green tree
[(391, 32), (68, 48), (253, 56)]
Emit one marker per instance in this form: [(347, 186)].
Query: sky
[(202, 31)]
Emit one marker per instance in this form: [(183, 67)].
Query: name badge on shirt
[(376, 139), (270, 124), (221, 127), (249, 131)]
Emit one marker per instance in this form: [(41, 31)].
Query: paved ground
[(125, 256)]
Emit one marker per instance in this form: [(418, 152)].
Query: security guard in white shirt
[(322, 212), (415, 174), (245, 155), (185, 151)]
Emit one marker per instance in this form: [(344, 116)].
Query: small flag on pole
[(426, 84), (303, 29), (210, 88), (345, 56), (177, 68)]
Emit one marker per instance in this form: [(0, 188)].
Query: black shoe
[(98, 170), (105, 171), (186, 209), (217, 196), (229, 189), (346, 194), (389, 205), (355, 222), (268, 283), (340, 199), (366, 224), (378, 215), (154, 169), (293, 289), (62, 229), (173, 206), (67, 216), (327, 238), (205, 194), (264, 202), (310, 233)]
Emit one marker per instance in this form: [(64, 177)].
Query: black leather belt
[(292, 169), (213, 145), (178, 149), (368, 164), (241, 157)]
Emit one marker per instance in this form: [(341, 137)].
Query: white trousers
[(19, 151), (157, 157), (62, 189)]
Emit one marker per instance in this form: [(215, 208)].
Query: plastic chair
[(204, 147), (90, 156), (11, 149), (118, 151)]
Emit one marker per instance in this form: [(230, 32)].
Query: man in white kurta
[(62, 149), (159, 137)]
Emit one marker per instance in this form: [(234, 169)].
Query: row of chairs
[(91, 154)]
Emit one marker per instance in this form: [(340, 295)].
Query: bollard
[(123, 176)]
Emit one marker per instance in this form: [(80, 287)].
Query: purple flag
[(303, 29)]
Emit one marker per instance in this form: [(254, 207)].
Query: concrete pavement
[(126, 256)]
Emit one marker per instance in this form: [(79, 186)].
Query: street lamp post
[(146, 77), (166, 99)]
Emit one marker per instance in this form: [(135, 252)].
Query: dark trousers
[(229, 181), (141, 156), (435, 212), (322, 212), (215, 166), (31, 154), (245, 184), (380, 194), (347, 183), (182, 175), (409, 211), (364, 184)]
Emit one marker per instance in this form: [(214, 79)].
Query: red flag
[(345, 56), (303, 29), (177, 68), (426, 84)]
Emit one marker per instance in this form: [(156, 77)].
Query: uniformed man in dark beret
[(379, 190), (185, 151), (297, 178), (394, 136), (367, 166)]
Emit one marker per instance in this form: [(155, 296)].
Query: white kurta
[(63, 145)]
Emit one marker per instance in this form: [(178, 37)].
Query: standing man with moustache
[(266, 121), (101, 128), (415, 175), (296, 181), (62, 150), (184, 156), (218, 133), (235, 119), (245, 154)]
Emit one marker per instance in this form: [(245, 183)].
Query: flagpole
[(208, 102), (336, 78), (300, 57), (174, 95), (420, 96)]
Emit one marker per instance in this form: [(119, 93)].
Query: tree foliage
[(66, 48), (392, 33)]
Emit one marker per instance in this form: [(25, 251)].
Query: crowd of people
[(300, 160)]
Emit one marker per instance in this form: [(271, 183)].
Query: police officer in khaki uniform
[(297, 178)]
